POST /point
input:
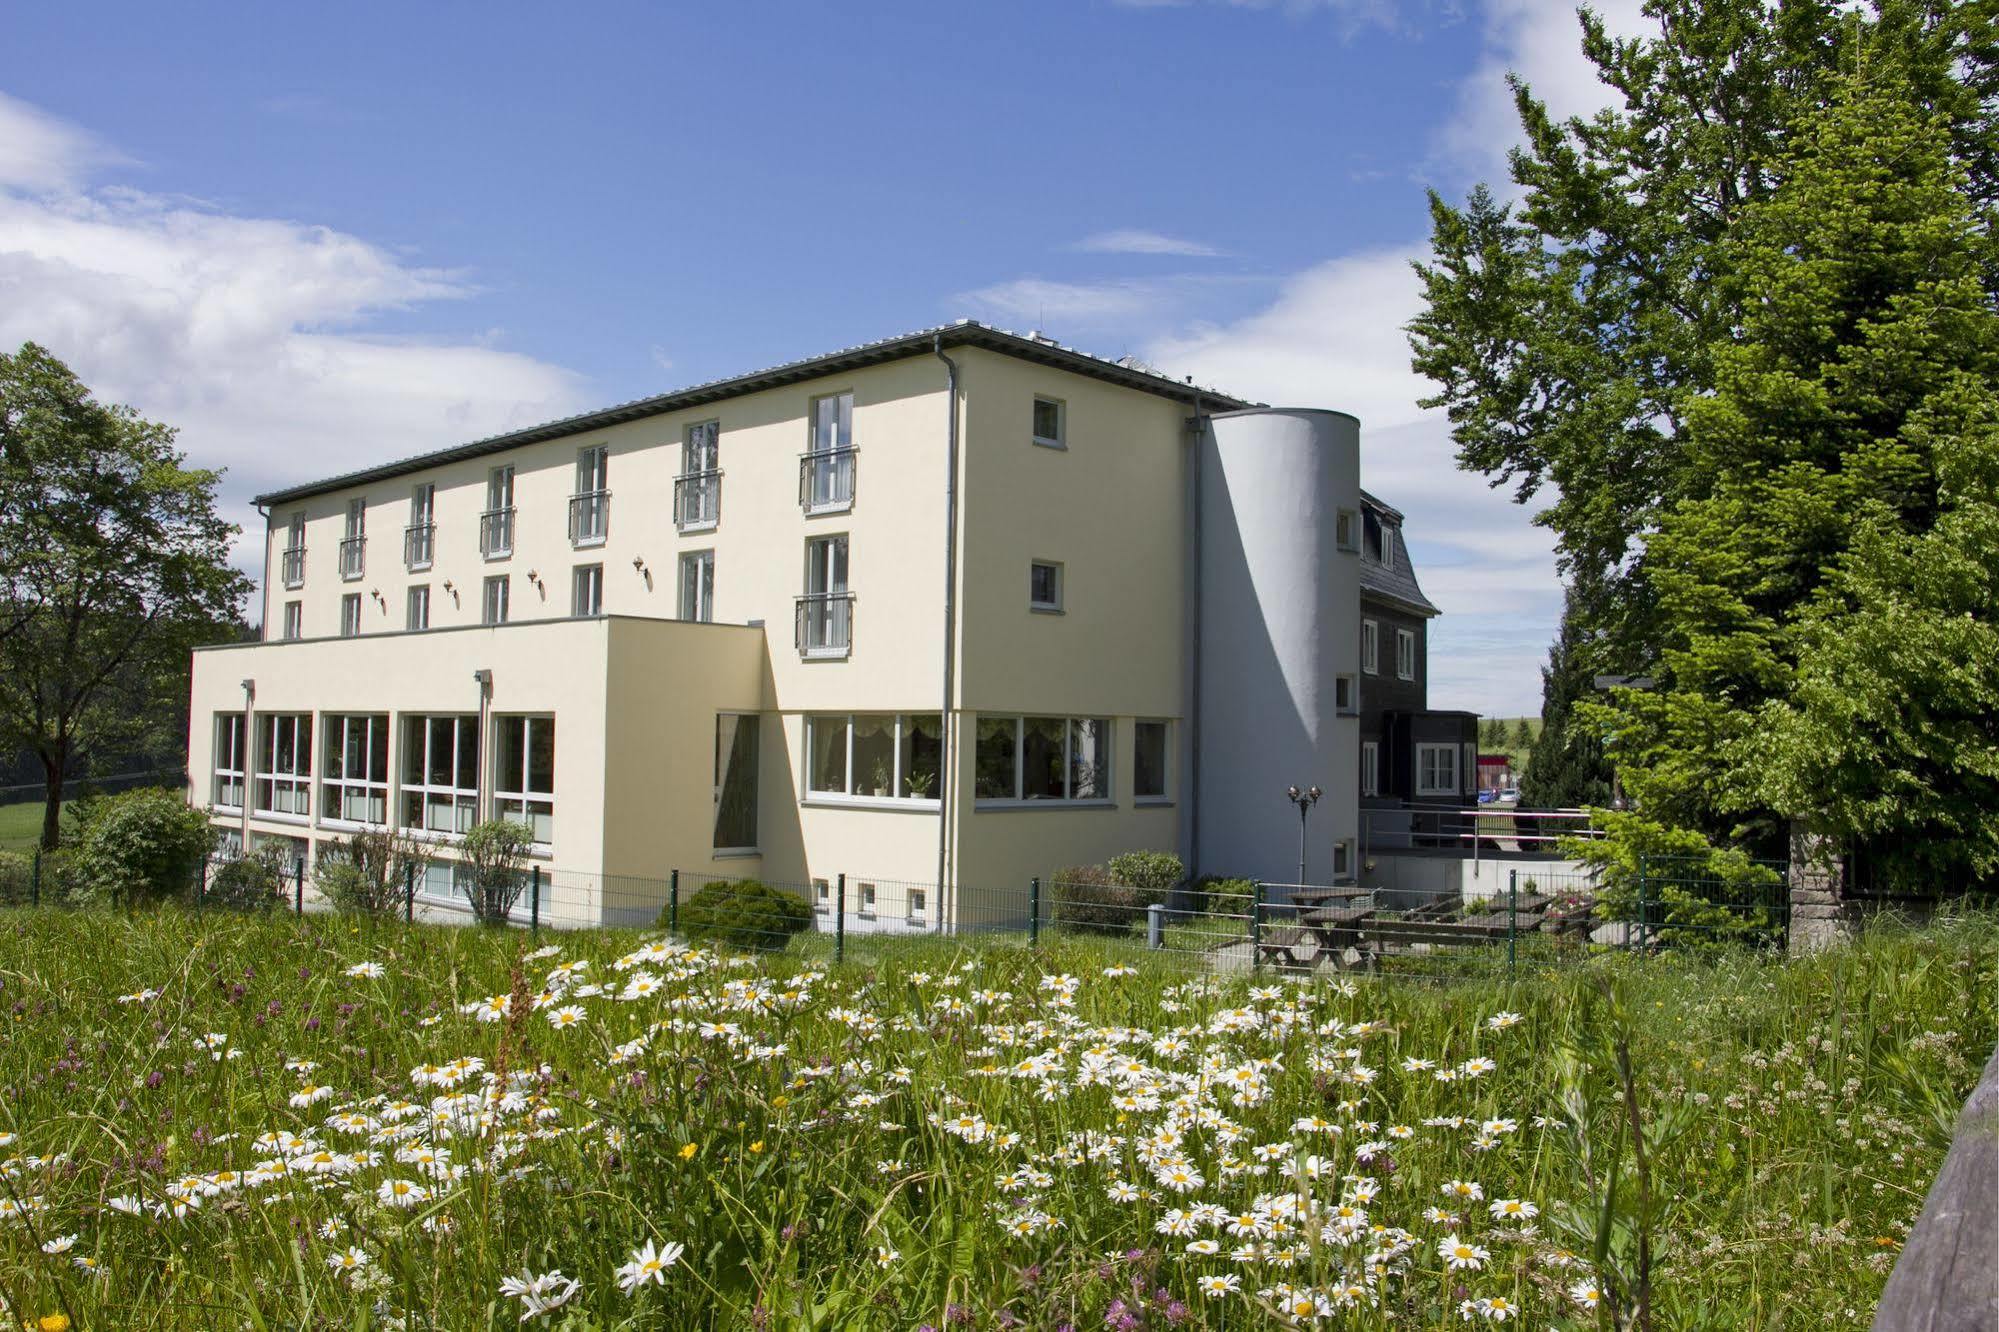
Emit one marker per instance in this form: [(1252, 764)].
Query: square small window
[(1342, 859), (1048, 423), (867, 899), (1346, 698), (918, 901), (1346, 530), (1044, 586)]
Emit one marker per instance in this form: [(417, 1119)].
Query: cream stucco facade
[(940, 730)]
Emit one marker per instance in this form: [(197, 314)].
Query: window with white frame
[(354, 768), (417, 612), (524, 773), (1049, 421), (420, 536), (1044, 585), (227, 791), (292, 564), (590, 506), (444, 881), (354, 541), (1346, 529), (1150, 759), (1468, 766), (826, 475), (1043, 759), (1405, 654), (826, 611), (350, 615), (284, 763), (874, 757), (1342, 858), (496, 523), (697, 491), (1370, 767), (822, 895), (1370, 646), (294, 619), (919, 902), (867, 901), (493, 606), (736, 756), (697, 585), (586, 590), (1346, 695), (440, 785), (1436, 770)]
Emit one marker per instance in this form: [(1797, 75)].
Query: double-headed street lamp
[(1304, 800)]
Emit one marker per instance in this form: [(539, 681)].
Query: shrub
[(743, 913), (1683, 889), (142, 846), (495, 854), (258, 881), (370, 871), (16, 871), (1112, 898), (1152, 873), (1220, 894)]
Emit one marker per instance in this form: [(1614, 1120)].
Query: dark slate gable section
[(1396, 583)]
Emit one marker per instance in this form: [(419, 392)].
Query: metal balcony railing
[(826, 480), (496, 532), (353, 557), (419, 545), (589, 517), (825, 624), (293, 566), (697, 501)]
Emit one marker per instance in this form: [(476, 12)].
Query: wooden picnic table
[(1320, 896)]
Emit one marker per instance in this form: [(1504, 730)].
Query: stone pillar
[(1820, 915)]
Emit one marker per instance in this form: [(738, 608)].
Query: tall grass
[(950, 1135)]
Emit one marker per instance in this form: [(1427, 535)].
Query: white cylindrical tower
[(1279, 650)]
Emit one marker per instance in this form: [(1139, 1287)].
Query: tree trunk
[(52, 775)]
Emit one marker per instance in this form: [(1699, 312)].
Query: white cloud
[(1130, 240), (1116, 305), (252, 335), (1357, 14)]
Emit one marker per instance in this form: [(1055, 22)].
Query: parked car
[(1510, 794), (1487, 795)]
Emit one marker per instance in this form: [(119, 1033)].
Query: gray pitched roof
[(964, 333), (1396, 581)]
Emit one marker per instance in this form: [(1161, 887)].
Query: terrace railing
[(826, 480), (589, 517), (496, 533), (292, 566), (353, 557), (697, 501), (419, 545), (825, 624)]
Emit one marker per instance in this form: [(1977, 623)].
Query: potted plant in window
[(882, 779)]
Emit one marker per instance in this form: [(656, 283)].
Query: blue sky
[(315, 238)]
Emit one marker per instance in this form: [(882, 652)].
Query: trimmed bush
[(259, 881), (495, 855), (743, 913), (370, 871), (1220, 894), (140, 846), (1112, 898), (1152, 873)]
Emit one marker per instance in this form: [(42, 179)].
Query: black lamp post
[(1304, 800)]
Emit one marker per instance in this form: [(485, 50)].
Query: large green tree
[(112, 566)]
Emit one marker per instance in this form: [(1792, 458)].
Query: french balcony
[(292, 566), (697, 501), (589, 518), (353, 557), (826, 480), (419, 545), (496, 533), (825, 624)]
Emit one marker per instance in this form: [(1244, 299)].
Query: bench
[(1277, 945)]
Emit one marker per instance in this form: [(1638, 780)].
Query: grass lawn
[(20, 825), (226, 1121)]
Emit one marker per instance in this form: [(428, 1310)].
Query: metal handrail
[(589, 517), (697, 499), (353, 557), (843, 464), (496, 532), (419, 545), (817, 609), (1370, 815)]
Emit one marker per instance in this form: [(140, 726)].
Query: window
[(1342, 858), (826, 472), (697, 491), (294, 553), (590, 506), (1436, 770), (418, 613), (440, 773), (825, 612), (294, 619), (867, 900), (1149, 760), (918, 903), (354, 769), (1044, 586), (1044, 758), (1370, 646), (1387, 546), (736, 781), (354, 541), (350, 615), (822, 892), (1346, 696), (1468, 766), (227, 792), (1048, 423), (496, 524), (1405, 654), (1346, 530), (444, 881), (419, 538), (524, 773), (697, 585), (586, 590), (494, 606), (884, 757), (1370, 767), (284, 763)]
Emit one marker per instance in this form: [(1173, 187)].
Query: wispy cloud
[(255, 336), (1112, 305), (1130, 240)]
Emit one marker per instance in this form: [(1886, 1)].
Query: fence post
[(1034, 911), (298, 887), (840, 919), (534, 902), (1644, 914), (409, 893), (201, 881), (35, 880), (1255, 925), (673, 903), (1512, 916)]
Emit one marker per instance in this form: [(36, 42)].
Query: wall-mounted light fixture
[(639, 565)]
